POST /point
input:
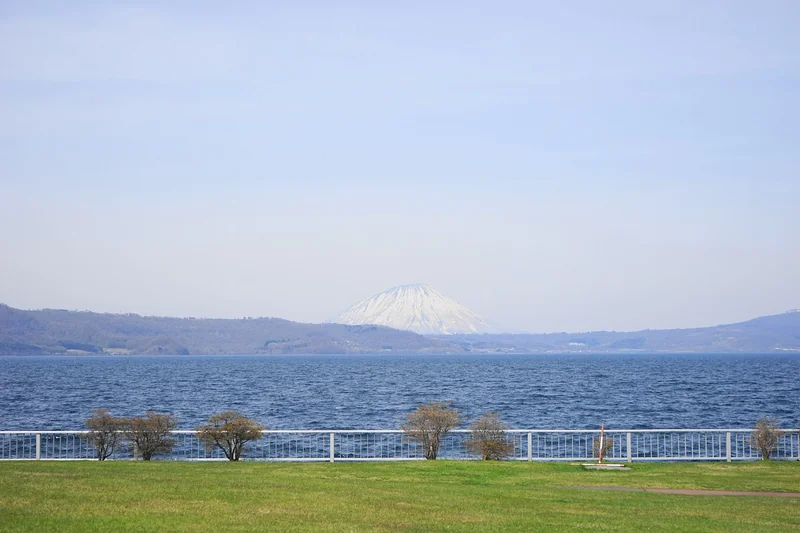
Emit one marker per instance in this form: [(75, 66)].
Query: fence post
[(728, 446), (530, 446), (332, 449), (628, 446), (38, 446)]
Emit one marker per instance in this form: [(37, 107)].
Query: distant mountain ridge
[(774, 333), (418, 308), (51, 331)]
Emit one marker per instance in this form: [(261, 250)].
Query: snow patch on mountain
[(416, 308)]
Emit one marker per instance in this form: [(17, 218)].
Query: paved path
[(693, 492)]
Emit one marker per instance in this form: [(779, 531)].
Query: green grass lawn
[(416, 496)]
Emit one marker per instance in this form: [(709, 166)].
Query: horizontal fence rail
[(623, 445)]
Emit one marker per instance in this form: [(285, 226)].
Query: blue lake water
[(348, 392)]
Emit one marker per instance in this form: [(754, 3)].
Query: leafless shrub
[(765, 436), (608, 446), (151, 434), (429, 423), (104, 433), (229, 431), (489, 438)]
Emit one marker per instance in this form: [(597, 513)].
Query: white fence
[(394, 445)]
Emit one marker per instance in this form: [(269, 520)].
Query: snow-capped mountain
[(417, 308)]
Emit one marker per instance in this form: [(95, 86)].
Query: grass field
[(416, 496)]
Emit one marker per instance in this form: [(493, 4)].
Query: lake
[(374, 391)]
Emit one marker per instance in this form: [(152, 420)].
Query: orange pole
[(602, 439)]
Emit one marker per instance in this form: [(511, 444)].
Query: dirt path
[(694, 492)]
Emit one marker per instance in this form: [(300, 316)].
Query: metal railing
[(394, 445)]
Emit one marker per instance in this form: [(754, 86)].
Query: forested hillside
[(57, 331)]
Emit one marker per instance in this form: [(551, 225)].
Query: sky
[(554, 166)]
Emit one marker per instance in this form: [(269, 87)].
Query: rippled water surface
[(318, 392)]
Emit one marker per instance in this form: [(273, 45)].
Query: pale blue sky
[(555, 166)]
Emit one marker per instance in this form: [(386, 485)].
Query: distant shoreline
[(59, 332)]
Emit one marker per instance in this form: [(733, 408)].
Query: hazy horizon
[(570, 167), (332, 320)]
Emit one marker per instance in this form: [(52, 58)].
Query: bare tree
[(429, 423), (607, 447), (151, 434), (489, 438), (104, 433), (765, 436), (229, 431)]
